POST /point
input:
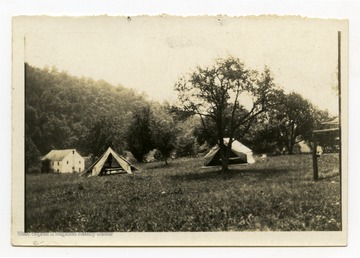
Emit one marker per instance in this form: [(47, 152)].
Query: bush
[(34, 170), (45, 166), (186, 146)]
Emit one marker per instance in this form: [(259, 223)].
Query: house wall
[(56, 166), (73, 162), (79, 162), (67, 164)]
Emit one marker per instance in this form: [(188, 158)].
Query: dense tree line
[(64, 111), (282, 127)]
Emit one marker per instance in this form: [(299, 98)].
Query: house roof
[(334, 121), (57, 155)]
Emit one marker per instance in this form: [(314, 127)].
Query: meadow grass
[(276, 194)]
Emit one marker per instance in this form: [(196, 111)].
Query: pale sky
[(149, 54)]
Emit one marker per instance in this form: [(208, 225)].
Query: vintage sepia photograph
[(179, 131)]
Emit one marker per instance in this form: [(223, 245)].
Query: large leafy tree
[(163, 132), (292, 120), (139, 132), (230, 96), (187, 142), (263, 137)]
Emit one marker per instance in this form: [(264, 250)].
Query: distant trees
[(217, 92), (187, 127), (187, 142), (163, 132), (263, 136), (64, 111), (152, 127), (32, 156), (103, 133), (139, 132), (223, 100), (284, 125), (294, 120)]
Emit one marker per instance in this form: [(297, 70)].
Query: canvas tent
[(109, 163), (240, 154)]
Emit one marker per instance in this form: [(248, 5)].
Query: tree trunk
[(291, 145), (224, 159), (224, 165), (292, 140), (291, 149), (225, 156)]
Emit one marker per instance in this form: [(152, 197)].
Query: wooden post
[(314, 156), (339, 92), (340, 136)]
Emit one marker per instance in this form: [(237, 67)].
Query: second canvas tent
[(109, 163), (240, 154)]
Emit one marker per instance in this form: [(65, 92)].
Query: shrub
[(34, 170), (45, 166)]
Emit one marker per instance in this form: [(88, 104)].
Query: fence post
[(314, 156)]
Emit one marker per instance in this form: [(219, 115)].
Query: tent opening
[(111, 166), (234, 159), (240, 154), (110, 163)]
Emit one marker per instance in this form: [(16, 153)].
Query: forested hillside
[(64, 111)]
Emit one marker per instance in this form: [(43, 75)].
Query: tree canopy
[(291, 121), (163, 132), (220, 93), (226, 99), (64, 111), (139, 132)]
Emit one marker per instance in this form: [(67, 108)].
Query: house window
[(58, 163), (79, 161), (58, 170), (67, 162), (79, 169)]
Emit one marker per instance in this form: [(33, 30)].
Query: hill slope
[(64, 111)]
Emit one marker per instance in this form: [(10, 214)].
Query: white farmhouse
[(65, 161)]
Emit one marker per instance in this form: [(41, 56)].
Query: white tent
[(240, 154), (110, 162)]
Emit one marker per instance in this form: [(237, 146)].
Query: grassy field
[(273, 195)]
